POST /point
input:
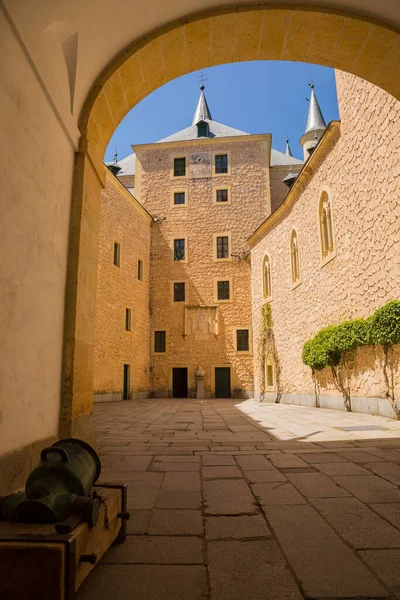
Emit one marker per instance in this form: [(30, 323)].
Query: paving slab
[(360, 526), (391, 512), (237, 527), (342, 468), (142, 494), (181, 482), (321, 457), (316, 485), (221, 472), (369, 488), (145, 582), (323, 564), (253, 570), (228, 497), (388, 470), (360, 456), (176, 522), (385, 563), (253, 462), (139, 522), (272, 475), (277, 493), (179, 500), (216, 460), (148, 549), (287, 461)]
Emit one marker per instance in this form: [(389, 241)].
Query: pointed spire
[(315, 120), (288, 151), (202, 111)]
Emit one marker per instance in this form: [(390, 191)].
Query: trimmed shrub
[(327, 347), (385, 324)]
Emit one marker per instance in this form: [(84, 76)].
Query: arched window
[(266, 275), (294, 253), (326, 225), (269, 372)]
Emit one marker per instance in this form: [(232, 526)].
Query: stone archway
[(345, 42)]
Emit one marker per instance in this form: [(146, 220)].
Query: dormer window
[(203, 129)]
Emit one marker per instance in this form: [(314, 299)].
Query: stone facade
[(189, 342), (358, 167), (124, 221)]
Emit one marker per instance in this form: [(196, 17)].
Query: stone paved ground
[(236, 500)]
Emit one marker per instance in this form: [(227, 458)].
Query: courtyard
[(235, 499)]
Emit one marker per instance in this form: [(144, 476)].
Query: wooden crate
[(37, 563)]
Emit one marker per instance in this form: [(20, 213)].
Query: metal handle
[(56, 450)]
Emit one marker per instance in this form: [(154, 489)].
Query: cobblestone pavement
[(234, 500)]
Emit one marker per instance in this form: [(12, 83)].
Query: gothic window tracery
[(266, 273), (326, 225), (294, 253)]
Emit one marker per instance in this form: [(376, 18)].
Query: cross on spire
[(202, 78)]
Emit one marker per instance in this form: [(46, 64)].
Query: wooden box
[(37, 563)]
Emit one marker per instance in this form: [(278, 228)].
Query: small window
[(223, 246), (179, 198), (269, 372), (128, 316), (179, 249), (117, 254), (242, 340), (221, 163), (222, 195), (179, 292), (140, 270), (159, 341), (326, 226), (179, 167), (295, 263), (267, 287), (223, 290), (202, 129)]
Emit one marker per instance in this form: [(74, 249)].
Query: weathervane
[(202, 78)]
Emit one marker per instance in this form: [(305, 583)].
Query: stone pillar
[(200, 394)]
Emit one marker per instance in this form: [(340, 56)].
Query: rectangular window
[(179, 292), (242, 340), (117, 254), (179, 198), (179, 249), (221, 163), (159, 341), (270, 375), (128, 314), (222, 195), (223, 246), (223, 290), (140, 269), (179, 167)]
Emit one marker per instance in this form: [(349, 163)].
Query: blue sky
[(256, 97)]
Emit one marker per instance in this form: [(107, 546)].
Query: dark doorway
[(180, 382), (222, 382), (127, 382)]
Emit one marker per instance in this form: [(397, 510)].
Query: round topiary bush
[(385, 324)]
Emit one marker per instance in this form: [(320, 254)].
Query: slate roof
[(281, 159), (315, 120)]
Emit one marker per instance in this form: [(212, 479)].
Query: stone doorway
[(223, 382), (180, 382)]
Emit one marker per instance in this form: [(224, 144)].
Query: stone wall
[(361, 174), (199, 221), (122, 220)]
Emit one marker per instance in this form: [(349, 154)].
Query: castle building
[(203, 230)]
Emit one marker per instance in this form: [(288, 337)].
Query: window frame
[(223, 278), (118, 246), (228, 235), (185, 239), (220, 188), (294, 282), (215, 156), (174, 283), (179, 191), (269, 362), (128, 320), (266, 297), (140, 269), (177, 157), (155, 331), (326, 258), (249, 339)]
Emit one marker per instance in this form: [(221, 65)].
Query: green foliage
[(327, 347), (266, 317), (385, 324)]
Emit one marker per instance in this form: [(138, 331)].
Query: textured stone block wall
[(124, 221), (278, 189), (248, 182), (362, 176)]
